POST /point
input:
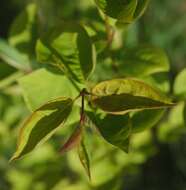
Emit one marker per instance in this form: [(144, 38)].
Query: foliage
[(84, 80)]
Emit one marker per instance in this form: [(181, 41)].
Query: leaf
[(119, 96), (145, 119), (143, 61), (125, 11), (73, 141), (13, 57), (179, 85), (23, 31), (84, 157), (159, 81), (43, 85), (68, 47), (115, 129), (42, 124), (184, 113)]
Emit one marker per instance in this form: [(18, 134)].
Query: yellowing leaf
[(42, 124), (119, 96)]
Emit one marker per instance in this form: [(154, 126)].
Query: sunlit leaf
[(45, 84), (179, 85), (119, 96), (68, 47), (42, 124)]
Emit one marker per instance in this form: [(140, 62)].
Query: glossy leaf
[(68, 47), (145, 119), (42, 124), (49, 84), (115, 129), (13, 57), (73, 141), (119, 96), (179, 85), (123, 10), (84, 157), (143, 61)]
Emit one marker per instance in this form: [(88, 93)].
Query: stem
[(82, 114), (109, 30)]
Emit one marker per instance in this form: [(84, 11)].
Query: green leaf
[(123, 10), (184, 113), (43, 85), (42, 124), (84, 158), (13, 57), (23, 31), (68, 47), (73, 141), (115, 129), (143, 60), (119, 96), (145, 119), (179, 85), (159, 81)]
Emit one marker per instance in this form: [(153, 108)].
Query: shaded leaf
[(42, 124), (119, 96), (84, 157), (73, 141), (159, 81), (145, 119), (123, 10), (115, 129), (143, 61)]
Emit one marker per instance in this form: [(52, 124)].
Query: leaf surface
[(84, 157), (68, 47), (115, 129), (143, 61), (125, 11), (119, 96), (42, 124)]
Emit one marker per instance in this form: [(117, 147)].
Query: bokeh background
[(158, 158)]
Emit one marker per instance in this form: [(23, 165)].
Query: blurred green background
[(158, 156)]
